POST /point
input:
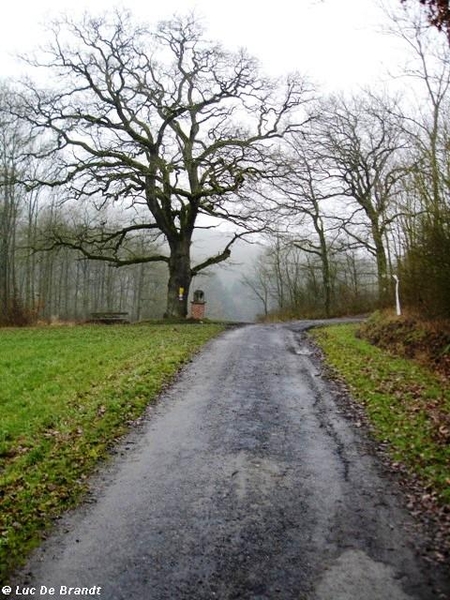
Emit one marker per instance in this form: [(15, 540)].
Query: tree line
[(366, 200), (149, 135)]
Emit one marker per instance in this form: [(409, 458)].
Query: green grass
[(66, 394), (408, 406)]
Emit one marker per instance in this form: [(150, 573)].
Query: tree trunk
[(179, 279), (325, 263), (384, 285), (326, 285)]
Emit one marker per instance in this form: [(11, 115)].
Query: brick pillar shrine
[(198, 305)]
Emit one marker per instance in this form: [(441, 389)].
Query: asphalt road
[(244, 481)]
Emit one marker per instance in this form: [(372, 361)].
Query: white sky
[(337, 42)]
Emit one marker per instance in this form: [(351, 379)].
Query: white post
[(397, 296)]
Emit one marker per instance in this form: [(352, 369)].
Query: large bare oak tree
[(163, 122)]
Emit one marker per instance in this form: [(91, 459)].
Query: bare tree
[(361, 141), (307, 197), (165, 123), (260, 281), (14, 142), (426, 124)]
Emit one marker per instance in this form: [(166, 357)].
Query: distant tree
[(15, 142), (260, 281), (361, 141), (164, 123), (304, 191)]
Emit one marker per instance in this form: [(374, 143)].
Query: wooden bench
[(109, 318)]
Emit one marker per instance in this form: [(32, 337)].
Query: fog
[(227, 296)]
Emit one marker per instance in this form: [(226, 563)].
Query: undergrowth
[(409, 336)]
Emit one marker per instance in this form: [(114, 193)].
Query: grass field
[(407, 405), (66, 394)]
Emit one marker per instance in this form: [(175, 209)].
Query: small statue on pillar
[(198, 305)]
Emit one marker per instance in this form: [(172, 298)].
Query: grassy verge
[(407, 405), (66, 394)]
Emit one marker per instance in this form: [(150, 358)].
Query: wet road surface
[(244, 482)]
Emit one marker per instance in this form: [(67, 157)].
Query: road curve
[(244, 482)]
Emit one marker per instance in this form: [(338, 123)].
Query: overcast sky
[(337, 42)]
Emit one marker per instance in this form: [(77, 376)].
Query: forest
[(151, 142)]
